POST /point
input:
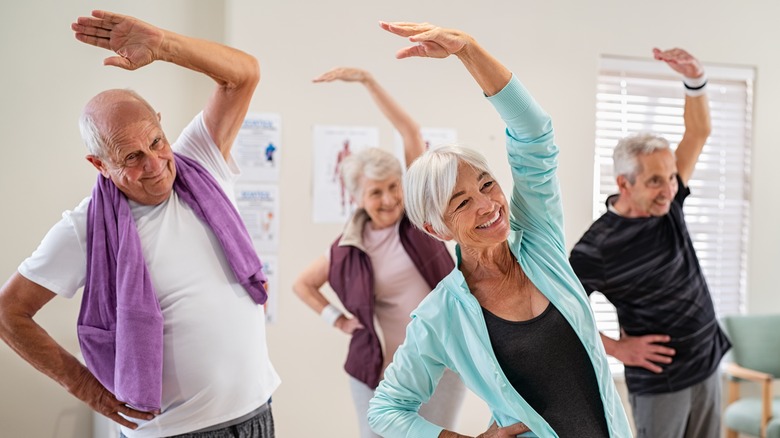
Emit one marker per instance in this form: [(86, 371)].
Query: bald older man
[(171, 324)]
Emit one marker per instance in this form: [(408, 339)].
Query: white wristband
[(330, 314), (695, 86)]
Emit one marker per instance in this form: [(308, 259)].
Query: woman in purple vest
[(381, 266)]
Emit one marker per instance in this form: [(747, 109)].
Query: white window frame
[(651, 100)]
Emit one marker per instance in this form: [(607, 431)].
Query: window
[(636, 96)]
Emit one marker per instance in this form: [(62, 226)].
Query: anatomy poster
[(332, 144), (257, 147)]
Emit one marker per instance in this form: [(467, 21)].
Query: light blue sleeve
[(533, 156), (409, 382)]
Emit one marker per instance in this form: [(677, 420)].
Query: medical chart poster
[(332, 144), (257, 147), (433, 137), (258, 205)]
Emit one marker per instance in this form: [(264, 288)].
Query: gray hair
[(96, 141), (429, 183), (372, 163), (627, 151), (92, 137)]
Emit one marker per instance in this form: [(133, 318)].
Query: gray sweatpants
[(690, 413)]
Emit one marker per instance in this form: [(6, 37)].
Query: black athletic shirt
[(648, 269), (548, 366)]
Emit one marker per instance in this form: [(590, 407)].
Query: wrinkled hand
[(510, 431), (680, 61), (346, 74), (644, 351), (433, 41), (91, 392), (348, 325), (137, 43)]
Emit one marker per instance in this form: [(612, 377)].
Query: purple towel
[(120, 326)]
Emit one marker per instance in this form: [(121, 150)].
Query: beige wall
[(552, 46)]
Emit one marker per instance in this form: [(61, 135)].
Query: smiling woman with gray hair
[(373, 164), (512, 319), (381, 266)]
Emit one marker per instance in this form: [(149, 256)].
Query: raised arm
[(20, 300), (414, 145), (137, 44), (697, 110), (532, 154), (436, 42)]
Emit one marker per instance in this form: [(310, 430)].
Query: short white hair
[(429, 183), (626, 154), (96, 143), (372, 163)]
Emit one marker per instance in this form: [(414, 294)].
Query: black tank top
[(548, 366)]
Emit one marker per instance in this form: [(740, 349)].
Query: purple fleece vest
[(352, 278), (120, 325)]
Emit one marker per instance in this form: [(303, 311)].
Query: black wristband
[(695, 88)]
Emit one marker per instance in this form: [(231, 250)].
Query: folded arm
[(645, 351), (20, 300), (307, 287), (409, 381)]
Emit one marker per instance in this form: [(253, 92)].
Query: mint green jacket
[(448, 328)]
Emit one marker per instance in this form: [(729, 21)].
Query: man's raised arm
[(137, 44), (697, 108)]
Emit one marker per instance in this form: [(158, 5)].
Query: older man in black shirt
[(640, 256)]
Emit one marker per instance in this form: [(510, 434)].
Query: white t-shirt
[(215, 359)]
